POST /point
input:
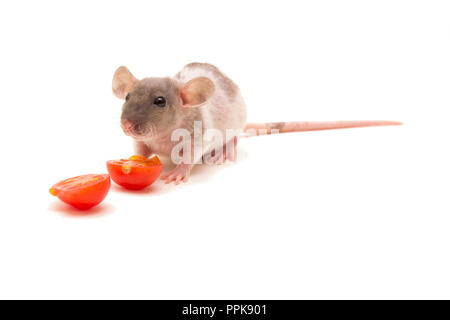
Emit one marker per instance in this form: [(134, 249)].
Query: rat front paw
[(180, 173)]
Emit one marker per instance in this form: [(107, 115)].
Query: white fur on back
[(226, 109)]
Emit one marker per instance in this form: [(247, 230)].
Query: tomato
[(135, 173), (83, 192)]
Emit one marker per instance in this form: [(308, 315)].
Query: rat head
[(156, 104)]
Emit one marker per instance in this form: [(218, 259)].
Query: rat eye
[(160, 102), (127, 97)]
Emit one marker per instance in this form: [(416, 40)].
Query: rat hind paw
[(180, 173)]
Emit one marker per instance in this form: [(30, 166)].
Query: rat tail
[(256, 129)]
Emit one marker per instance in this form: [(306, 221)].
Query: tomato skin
[(83, 192), (136, 172)]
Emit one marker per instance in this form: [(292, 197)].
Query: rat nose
[(127, 126)]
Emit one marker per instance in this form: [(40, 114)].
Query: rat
[(154, 108)]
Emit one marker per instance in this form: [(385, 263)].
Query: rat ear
[(122, 82), (197, 91)]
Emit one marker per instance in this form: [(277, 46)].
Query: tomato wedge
[(83, 192), (135, 173)]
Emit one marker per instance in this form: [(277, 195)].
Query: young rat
[(155, 107)]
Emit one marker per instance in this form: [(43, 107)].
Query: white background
[(359, 213)]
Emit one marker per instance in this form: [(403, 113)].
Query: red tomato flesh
[(83, 192), (135, 173)]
